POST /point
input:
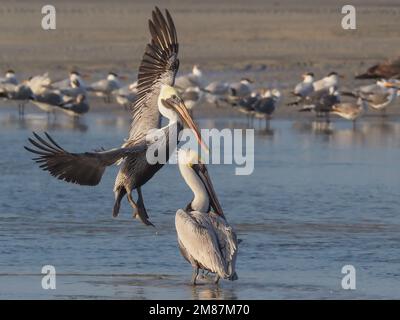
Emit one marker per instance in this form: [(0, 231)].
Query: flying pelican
[(205, 238), (387, 69), (155, 96), (193, 79), (105, 87)]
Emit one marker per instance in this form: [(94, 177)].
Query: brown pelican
[(387, 69), (155, 95), (205, 238)]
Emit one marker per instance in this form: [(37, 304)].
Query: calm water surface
[(318, 199)]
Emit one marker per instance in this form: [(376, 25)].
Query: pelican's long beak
[(202, 172), (388, 84), (180, 108)]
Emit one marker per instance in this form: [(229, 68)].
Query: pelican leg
[(141, 212), (216, 280), (119, 194), (194, 275)]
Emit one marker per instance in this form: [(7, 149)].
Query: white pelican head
[(195, 174), (196, 70), (173, 108)]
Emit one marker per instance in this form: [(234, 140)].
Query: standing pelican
[(155, 96), (205, 238)]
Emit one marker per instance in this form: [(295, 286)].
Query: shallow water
[(319, 199)]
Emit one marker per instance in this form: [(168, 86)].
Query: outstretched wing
[(81, 168), (159, 66)]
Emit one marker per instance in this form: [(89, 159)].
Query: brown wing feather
[(159, 66), (81, 168)]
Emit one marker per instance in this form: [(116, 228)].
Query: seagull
[(331, 80), (387, 69), (321, 101), (304, 88), (241, 89), (156, 97), (216, 92), (246, 105), (205, 238), (266, 105), (105, 87), (21, 93), (76, 107), (192, 97), (126, 95), (379, 96), (9, 78), (193, 79), (67, 83), (350, 110)]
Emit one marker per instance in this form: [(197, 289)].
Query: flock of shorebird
[(320, 96), (206, 239)]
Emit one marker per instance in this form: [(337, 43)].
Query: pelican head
[(195, 174), (173, 108)]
